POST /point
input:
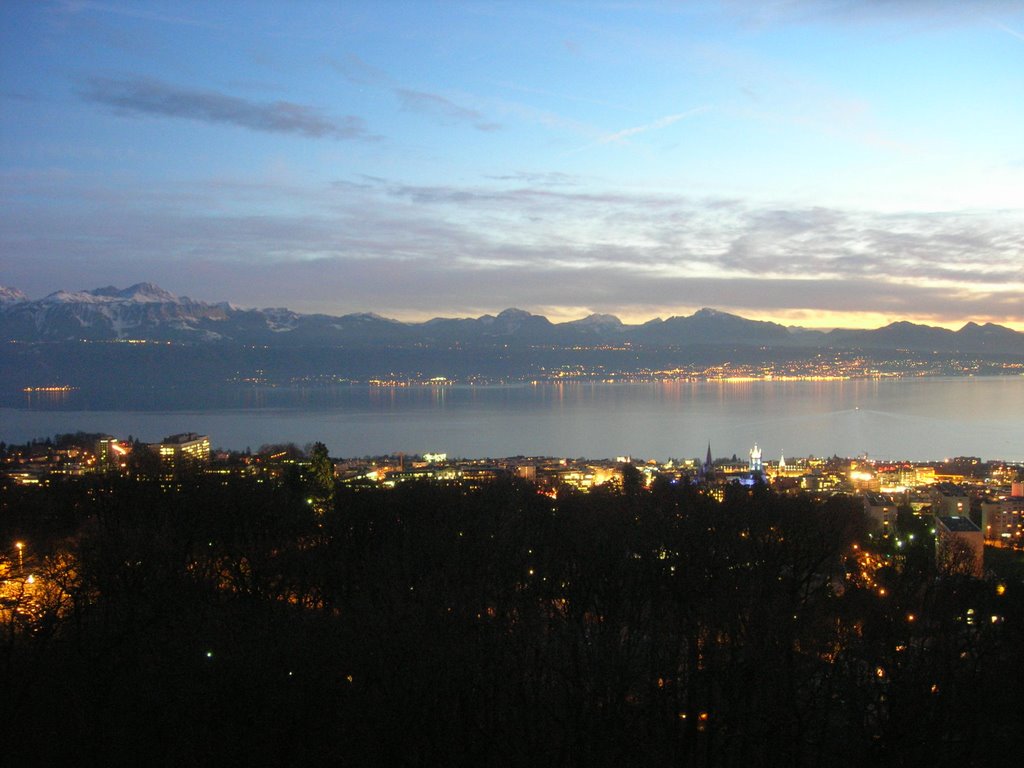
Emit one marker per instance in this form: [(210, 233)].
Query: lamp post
[(21, 555)]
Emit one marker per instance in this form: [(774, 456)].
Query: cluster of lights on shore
[(20, 546), (13, 585)]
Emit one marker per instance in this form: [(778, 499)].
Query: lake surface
[(917, 419)]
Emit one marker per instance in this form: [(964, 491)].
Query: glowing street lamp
[(21, 554)]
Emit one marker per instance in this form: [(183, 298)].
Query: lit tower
[(755, 459)]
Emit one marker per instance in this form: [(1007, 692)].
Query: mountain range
[(147, 312)]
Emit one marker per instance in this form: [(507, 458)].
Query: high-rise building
[(180, 452), (1003, 519), (111, 453)]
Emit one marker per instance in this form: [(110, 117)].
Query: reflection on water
[(908, 418), (47, 397)]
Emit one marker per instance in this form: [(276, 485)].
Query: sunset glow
[(790, 161)]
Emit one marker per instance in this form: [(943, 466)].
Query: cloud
[(658, 124), (963, 252), (930, 13), (82, 6), (358, 72), (142, 96), (376, 244), (619, 137), (544, 179), (433, 104), (1010, 31)]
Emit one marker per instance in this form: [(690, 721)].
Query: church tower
[(755, 459)]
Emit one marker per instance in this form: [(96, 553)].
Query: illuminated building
[(924, 475), (527, 472), (949, 499), (184, 451), (27, 477), (755, 459), (1003, 519), (881, 509), (484, 473), (110, 453), (420, 473), (577, 477), (865, 480)]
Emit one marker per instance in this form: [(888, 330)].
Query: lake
[(912, 418)]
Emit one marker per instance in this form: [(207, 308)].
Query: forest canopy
[(291, 622)]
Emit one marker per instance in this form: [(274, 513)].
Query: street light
[(21, 554)]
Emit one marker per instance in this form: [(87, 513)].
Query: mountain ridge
[(145, 311)]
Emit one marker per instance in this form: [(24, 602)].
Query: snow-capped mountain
[(143, 293), (141, 311), (597, 324), (11, 295), (145, 311)]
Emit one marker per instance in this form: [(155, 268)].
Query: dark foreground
[(286, 623)]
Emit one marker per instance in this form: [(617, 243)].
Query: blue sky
[(821, 163)]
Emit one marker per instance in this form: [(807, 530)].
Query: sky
[(815, 162)]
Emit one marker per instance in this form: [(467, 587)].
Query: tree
[(632, 480), (321, 474)]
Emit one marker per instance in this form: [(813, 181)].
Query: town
[(980, 502), (536, 602)]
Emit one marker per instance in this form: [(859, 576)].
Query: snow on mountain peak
[(146, 292), (72, 297), (598, 321), (709, 312), (11, 295), (141, 293)]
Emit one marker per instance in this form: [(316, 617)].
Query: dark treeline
[(290, 623)]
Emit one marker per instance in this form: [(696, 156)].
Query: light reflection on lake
[(924, 418)]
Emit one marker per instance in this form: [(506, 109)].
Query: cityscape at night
[(427, 608), (513, 384)]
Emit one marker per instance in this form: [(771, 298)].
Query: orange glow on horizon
[(810, 319)]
